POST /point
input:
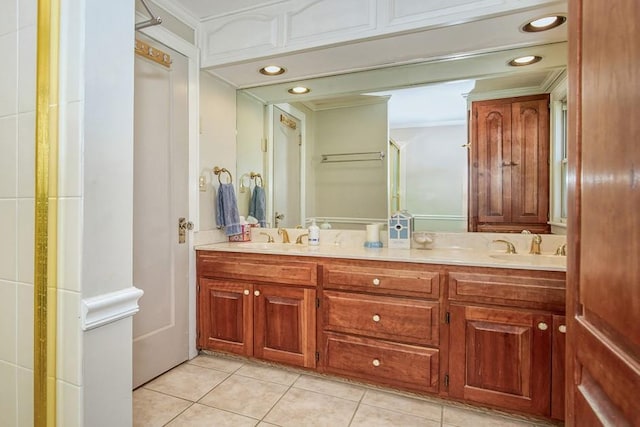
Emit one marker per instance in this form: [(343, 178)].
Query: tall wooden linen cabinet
[(509, 165)]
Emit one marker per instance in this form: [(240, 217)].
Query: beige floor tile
[(246, 396), (205, 416), (408, 405), (330, 387), (370, 416), (263, 424), (306, 408), (187, 381), (459, 417), (151, 408), (267, 373), (215, 362)]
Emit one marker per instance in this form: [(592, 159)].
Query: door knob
[(183, 226), (543, 326), (376, 317), (376, 282), (562, 329), (246, 292), (256, 293), (376, 362)]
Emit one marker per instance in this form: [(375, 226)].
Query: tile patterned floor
[(213, 390)]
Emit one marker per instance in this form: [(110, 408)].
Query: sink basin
[(532, 259)]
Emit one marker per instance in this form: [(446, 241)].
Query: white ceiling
[(202, 9)]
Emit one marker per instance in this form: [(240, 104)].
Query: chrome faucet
[(284, 234), (510, 248), (535, 244), (299, 238)]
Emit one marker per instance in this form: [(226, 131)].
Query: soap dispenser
[(314, 233)]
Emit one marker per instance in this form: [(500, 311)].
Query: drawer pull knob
[(256, 293), (376, 362), (543, 326), (376, 282), (376, 317), (246, 292), (562, 329)]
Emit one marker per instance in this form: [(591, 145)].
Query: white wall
[(17, 135), (217, 140), (350, 189), (434, 175)]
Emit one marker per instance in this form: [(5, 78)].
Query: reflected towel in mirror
[(258, 206), (227, 215)]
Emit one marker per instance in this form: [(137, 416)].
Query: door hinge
[(446, 380), (447, 317), (317, 356), (317, 302)]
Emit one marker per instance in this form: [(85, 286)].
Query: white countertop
[(450, 256)]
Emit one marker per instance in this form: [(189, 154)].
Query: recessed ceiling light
[(299, 90), (272, 70), (543, 24), (525, 60)]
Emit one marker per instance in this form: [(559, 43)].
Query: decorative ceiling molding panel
[(326, 19), (406, 11), (245, 35)]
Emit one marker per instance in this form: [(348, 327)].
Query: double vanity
[(459, 319)]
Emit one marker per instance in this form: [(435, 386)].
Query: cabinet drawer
[(514, 291), (257, 269), (382, 280), (398, 319), (395, 364)]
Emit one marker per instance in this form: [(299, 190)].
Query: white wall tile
[(27, 12), (8, 74), (8, 144), (69, 338), (70, 166), (27, 69), (69, 243), (25, 325), (69, 404), (26, 154), (8, 321), (71, 50), (25, 397), (8, 239), (8, 17), (8, 394), (25, 238)]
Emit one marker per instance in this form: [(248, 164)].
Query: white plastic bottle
[(314, 234)]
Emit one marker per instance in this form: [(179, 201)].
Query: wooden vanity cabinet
[(258, 306), (502, 338), (380, 323), (509, 165)]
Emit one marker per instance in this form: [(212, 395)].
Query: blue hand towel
[(227, 215), (258, 206)]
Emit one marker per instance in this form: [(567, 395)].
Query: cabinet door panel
[(493, 151), (226, 316), (504, 358), (284, 324), (530, 160)]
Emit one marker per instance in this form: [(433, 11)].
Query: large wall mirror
[(361, 145)]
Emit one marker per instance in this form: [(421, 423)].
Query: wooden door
[(603, 272), (161, 197), (501, 357), (530, 161), (285, 324), (492, 161), (225, 313)]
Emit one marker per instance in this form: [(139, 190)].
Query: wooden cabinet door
[(530, 161), (501, 357), (225, 313), (558, 349), (285, 324), (492, 161)]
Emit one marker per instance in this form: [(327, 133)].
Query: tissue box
[(245, 236), (400, 228)]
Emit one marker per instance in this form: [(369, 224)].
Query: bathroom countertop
[(450, 256)]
